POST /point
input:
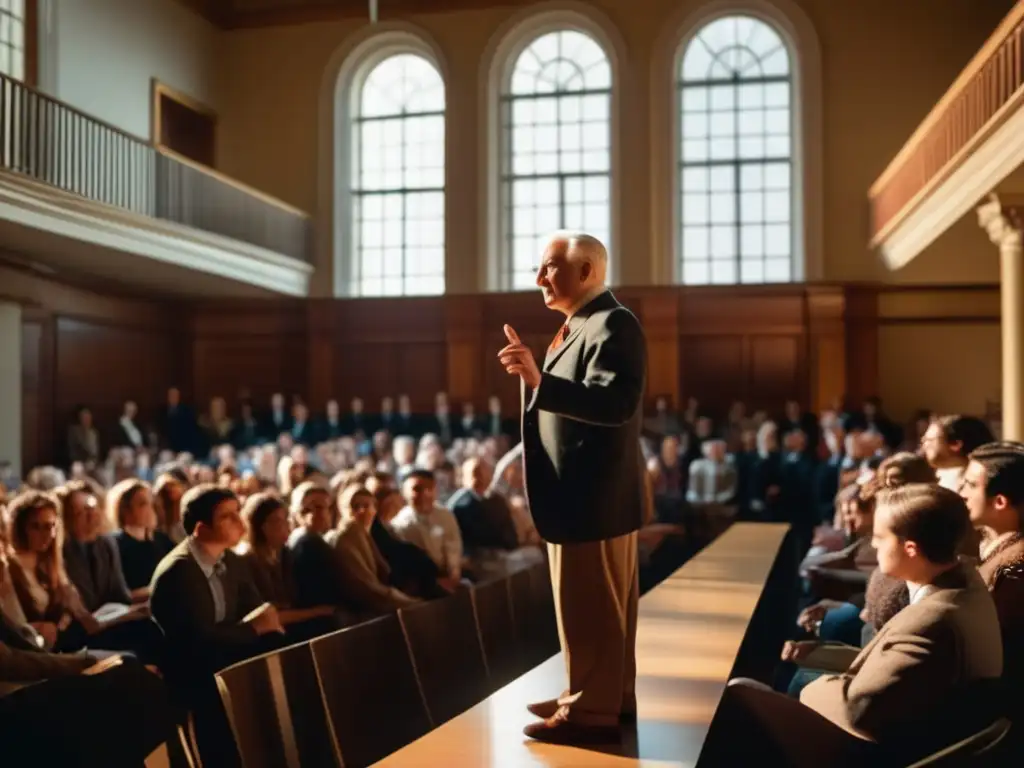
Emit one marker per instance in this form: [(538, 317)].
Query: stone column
[(1002, 221)]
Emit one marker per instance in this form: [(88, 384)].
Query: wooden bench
[(691, 628)]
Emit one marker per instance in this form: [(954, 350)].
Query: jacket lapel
[(577, 323), (553, 357)]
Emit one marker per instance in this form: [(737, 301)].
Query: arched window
[(397, 179), (735, 176), (14, 37), (556, 148)]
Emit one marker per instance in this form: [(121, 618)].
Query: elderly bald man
[(581, 419)]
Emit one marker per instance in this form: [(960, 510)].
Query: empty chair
[(445, 646), (502, 649), (374, 702), (277, 712)]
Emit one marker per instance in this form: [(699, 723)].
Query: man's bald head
[(574, 264), (584, 248)]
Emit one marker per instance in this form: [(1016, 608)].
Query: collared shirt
[(212, 570), (436, 533), (585, 299), (919, 591), (950, 477)]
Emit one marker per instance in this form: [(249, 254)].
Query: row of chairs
[(353, 697)]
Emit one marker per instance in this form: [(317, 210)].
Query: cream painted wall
[(101, 56), (939, 349), (884, 64)]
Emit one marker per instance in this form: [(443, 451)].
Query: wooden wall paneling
[(102, 365), (712, 369), (320, 322), (390, 347), (775, 370), (860, 322), (826, 347), (465, 351), (255, 348), (658, 313)]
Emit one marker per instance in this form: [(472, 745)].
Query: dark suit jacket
[(581, 428), (485, 521), (95, 570), (182, 604)]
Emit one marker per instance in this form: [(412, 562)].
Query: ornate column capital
[(1002, 217)]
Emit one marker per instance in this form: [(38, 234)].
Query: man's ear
[(1000, 502), (910, 548), (585, 269)]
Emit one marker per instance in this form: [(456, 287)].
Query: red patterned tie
[(561, 336)]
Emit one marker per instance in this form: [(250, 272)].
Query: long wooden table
[(689, 632)]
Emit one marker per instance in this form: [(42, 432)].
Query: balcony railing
[(984, 94), (52, 142)]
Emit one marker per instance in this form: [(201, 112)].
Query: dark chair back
[(374, 702), (502, 649), (446, 651), (967, 751), (276, 711), (533, 607)]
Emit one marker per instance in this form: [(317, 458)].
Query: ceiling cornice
[(227, 15)]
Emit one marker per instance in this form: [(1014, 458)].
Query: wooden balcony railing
[(62, 146), (982, 97)]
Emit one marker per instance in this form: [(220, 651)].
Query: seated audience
[(947, 443), (93, 566), (204, 600), (484, 519), (993, 489), (923, 682), (167, 492), (362, 569), (268, 556), (313, 561), (430, 527), (49, 602), (141, 545), (412, 570), (203, 596)]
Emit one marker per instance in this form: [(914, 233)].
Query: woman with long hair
[(362, 568), (141, 545), (268, 528), (167, 493)]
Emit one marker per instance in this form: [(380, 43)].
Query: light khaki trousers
[(596, 586)]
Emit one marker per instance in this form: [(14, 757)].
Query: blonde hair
[(348, 495)]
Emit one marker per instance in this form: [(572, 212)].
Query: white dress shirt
[(436, 533)]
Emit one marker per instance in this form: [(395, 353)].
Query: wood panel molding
[(763, 345)]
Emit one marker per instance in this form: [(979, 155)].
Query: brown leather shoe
[(546, 709), (559, 730)]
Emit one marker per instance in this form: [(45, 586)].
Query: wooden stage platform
[(689, 634)]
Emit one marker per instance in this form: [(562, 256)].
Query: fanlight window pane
[(735, 171), (398, 180), (556, 141)]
